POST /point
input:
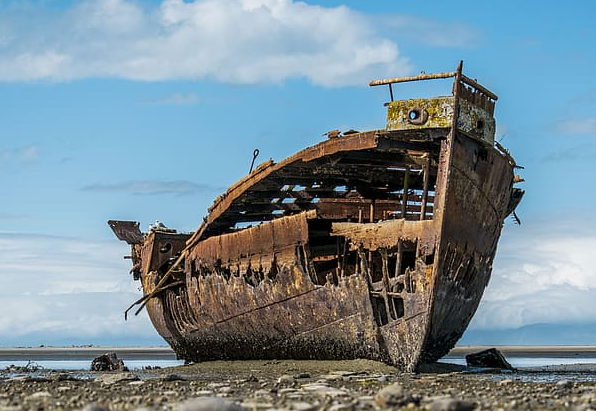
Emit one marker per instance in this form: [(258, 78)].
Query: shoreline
[(531, 351), (166, 353), (84, 353)]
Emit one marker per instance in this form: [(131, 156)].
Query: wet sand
[(300, 385)]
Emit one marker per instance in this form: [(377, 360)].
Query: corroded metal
[(373, 244), (128, 231)]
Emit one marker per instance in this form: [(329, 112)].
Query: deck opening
[(376, 266), (391, 262), (429, 258), (398, 287), (396, 307), (379, 310), (410, 283), (408, 256)]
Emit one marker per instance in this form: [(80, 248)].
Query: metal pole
[(404, 205), (425, 188)]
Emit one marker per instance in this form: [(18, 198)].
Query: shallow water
[(77, 364), (537, 369), (518, 362)]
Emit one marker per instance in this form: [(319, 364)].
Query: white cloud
[(60, 288), (65, 319), (43, 265), (177, 99), (543, 273), (20, 155), (237, 41), (153, 187), (584, 126), (431, 32)]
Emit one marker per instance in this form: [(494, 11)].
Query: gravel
[(290, 385)]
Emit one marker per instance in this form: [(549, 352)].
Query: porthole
[(417, 115)]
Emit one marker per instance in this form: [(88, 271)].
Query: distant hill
[(534, 334)]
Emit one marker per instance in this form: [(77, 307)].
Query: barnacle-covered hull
[(368, 245)]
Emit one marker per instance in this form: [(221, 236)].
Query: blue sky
[(117, 109)]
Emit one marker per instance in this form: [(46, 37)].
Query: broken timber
[(373, 244)]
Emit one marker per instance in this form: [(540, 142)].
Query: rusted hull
[(290, 318), (371, 245), (218, 315), (477, 194)]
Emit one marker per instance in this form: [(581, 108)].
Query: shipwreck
[(374, 244)]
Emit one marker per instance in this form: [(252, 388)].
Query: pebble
[(216, 385), (342, 407), (208, 404), (564, 384), (94, 407), (344, 373), (255, 405), (331, 377), (451, 404), (203, 393), (332, 392), (393, 394), (285, 379), (173, 377), (109, 379), (315, 386), (302, 406), (226, 390), (39, 395)]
